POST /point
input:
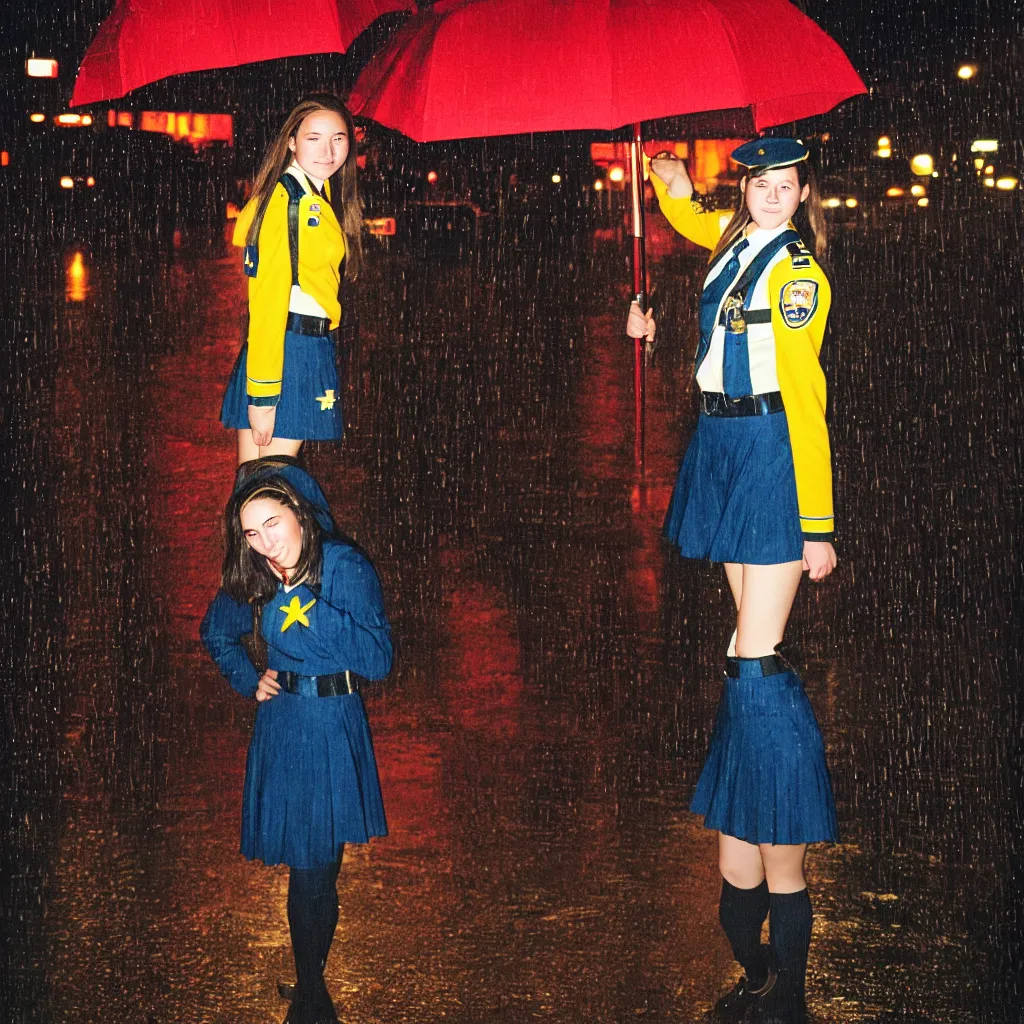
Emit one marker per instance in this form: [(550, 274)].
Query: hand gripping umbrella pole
[(636, 173)]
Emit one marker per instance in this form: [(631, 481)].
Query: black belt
[(771, 665), (314, 326), (714, 403), (336, 684)]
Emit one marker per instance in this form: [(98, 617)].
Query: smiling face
[(272, 530), (774, 196), (320, 144)]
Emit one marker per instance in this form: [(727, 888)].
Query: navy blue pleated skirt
[(310, 404), (765, 779), (311, 781), (735, 496)]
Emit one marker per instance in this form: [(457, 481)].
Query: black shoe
[(784, 1004), (731, 1007), (311, 1007), (286, 990)]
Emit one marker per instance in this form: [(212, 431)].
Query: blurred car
[(842, 200), (905, 194), (1000, 181)]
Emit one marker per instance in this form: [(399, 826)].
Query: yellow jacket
[(321, 250), (801, 379)]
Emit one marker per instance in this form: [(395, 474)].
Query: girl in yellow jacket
[(300, 232), (755, 493)]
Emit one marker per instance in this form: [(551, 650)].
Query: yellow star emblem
[(296, 612), (326, 400)]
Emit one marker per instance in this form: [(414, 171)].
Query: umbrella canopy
[(467, 68), (145, 40)]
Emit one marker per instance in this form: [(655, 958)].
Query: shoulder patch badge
[(799, 302), (799, 254), (251, 260)]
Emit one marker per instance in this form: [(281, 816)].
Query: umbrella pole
[(636, 151)]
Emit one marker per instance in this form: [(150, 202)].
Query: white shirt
[(760, 339)]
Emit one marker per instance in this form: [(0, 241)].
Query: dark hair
[(808, 219), (344, 183), (246, 576)]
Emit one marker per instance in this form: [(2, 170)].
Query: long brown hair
[(343, 184), (808, 220), (246, 575)]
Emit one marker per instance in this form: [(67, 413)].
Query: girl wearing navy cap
[(300, 232), (755, 492), (311, 781)]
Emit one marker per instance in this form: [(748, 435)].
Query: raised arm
[(679, 203)]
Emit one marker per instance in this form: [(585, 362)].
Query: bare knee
[(740, 862), (784, 867)]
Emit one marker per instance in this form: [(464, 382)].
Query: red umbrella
[(466, 68), (145, 40)]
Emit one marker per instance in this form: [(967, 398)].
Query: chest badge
[(251, 260), (313, 222), (799, 302), (295, 611), (732, 315)]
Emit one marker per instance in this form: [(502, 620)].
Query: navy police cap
[(770, 152)]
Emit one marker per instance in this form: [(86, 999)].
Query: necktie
[(711, 299)]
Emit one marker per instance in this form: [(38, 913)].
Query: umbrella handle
[(636, 155)]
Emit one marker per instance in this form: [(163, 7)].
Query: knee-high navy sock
[(789, 930), (312, 918), (742, 912)]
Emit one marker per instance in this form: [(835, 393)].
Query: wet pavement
[(557, 667)]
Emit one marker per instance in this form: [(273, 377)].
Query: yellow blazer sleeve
[(801, 299), (688, 217), (269, 294)]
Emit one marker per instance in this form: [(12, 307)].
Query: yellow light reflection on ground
[(76, 287)]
